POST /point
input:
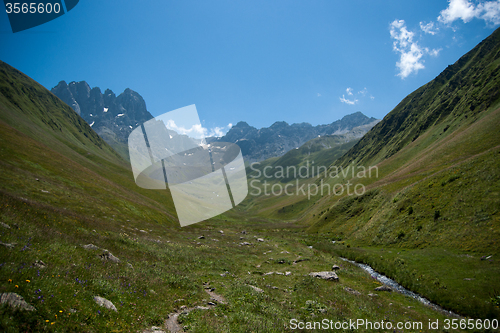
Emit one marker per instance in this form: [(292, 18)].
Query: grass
[(169, 267), (460, 282)]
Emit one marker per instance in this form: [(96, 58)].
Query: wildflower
[(60, 311), (17, 286), (10, 280), (28, 281), (47, 321), (52, 323)]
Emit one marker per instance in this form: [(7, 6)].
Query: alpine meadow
[(415, 196)]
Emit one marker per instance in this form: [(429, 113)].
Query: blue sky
[(256, 61)]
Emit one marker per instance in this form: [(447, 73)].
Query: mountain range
[(276, 140), (113, 118)]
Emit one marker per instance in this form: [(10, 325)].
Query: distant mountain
[(318, 152), (112, 117), (275, 141)]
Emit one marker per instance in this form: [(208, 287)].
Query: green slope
[(44, 139), (438, 187), (315, 152), (62, 187)]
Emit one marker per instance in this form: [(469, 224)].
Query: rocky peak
[(112, 117)]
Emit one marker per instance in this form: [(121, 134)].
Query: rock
[(221, 231), (288, 273), (300, 260), (335, 268), (130, 265), (244, 232), (108, 256), (325, 275), (73, 310), (486, 257), (7, 245), (224, 274), (154, 329), (372, 295), (269, 273), (215, 297), (383, 288), (260, 239), (91, 247), (101, 301), (211, 303), (245, 243), (256, 289), (15, 301), (468, 279), (201, 237), (352, 291), (5, 225), (39, 264)]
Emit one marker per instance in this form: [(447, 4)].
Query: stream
[(399, 288)]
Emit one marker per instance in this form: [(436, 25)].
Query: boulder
[(383, 288), (108, 256), (15, 301), (91, 247), (101, 301), (352, 291), (328, 275)]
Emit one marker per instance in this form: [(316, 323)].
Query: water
[(399, 288)]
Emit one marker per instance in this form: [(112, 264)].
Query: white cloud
[(363, 92), (198, 131), (457, 9), (372, 97), (349, 91), (465, 10), (489, 11), (428, 28), (195, 131), (400, 33), (411, 53), (348, 101), (318, 94), (217, 131), (434, 52)]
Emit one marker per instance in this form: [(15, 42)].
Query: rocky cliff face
[(257, 145), (112, 117)]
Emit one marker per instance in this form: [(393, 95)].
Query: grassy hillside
[(62, 187), (438, 187)]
